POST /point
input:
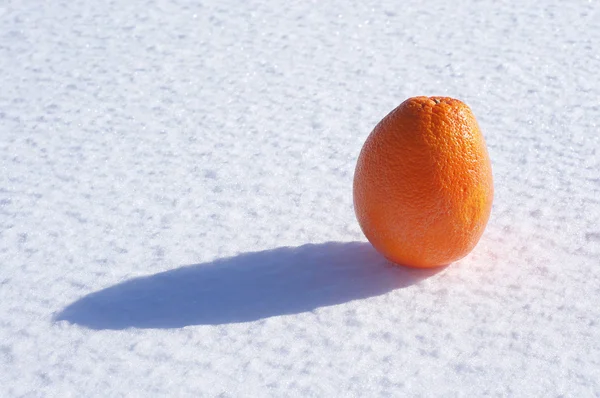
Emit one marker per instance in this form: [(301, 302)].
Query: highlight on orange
[(423, 186)]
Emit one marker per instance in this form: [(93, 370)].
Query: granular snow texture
[(176, 207)]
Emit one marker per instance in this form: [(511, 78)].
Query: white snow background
[(176, 200)]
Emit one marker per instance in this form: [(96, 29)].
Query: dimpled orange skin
[(423, 185)]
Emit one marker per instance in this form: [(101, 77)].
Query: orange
[(423, 184)]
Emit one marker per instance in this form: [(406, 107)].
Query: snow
[(176, 209)]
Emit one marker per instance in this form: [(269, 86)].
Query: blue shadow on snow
[(244, 288)]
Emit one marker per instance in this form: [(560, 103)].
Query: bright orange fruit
[(423, 184)]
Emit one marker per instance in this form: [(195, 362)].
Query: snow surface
[(176, 210)]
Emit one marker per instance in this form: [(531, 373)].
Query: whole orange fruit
[(423, 184)]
